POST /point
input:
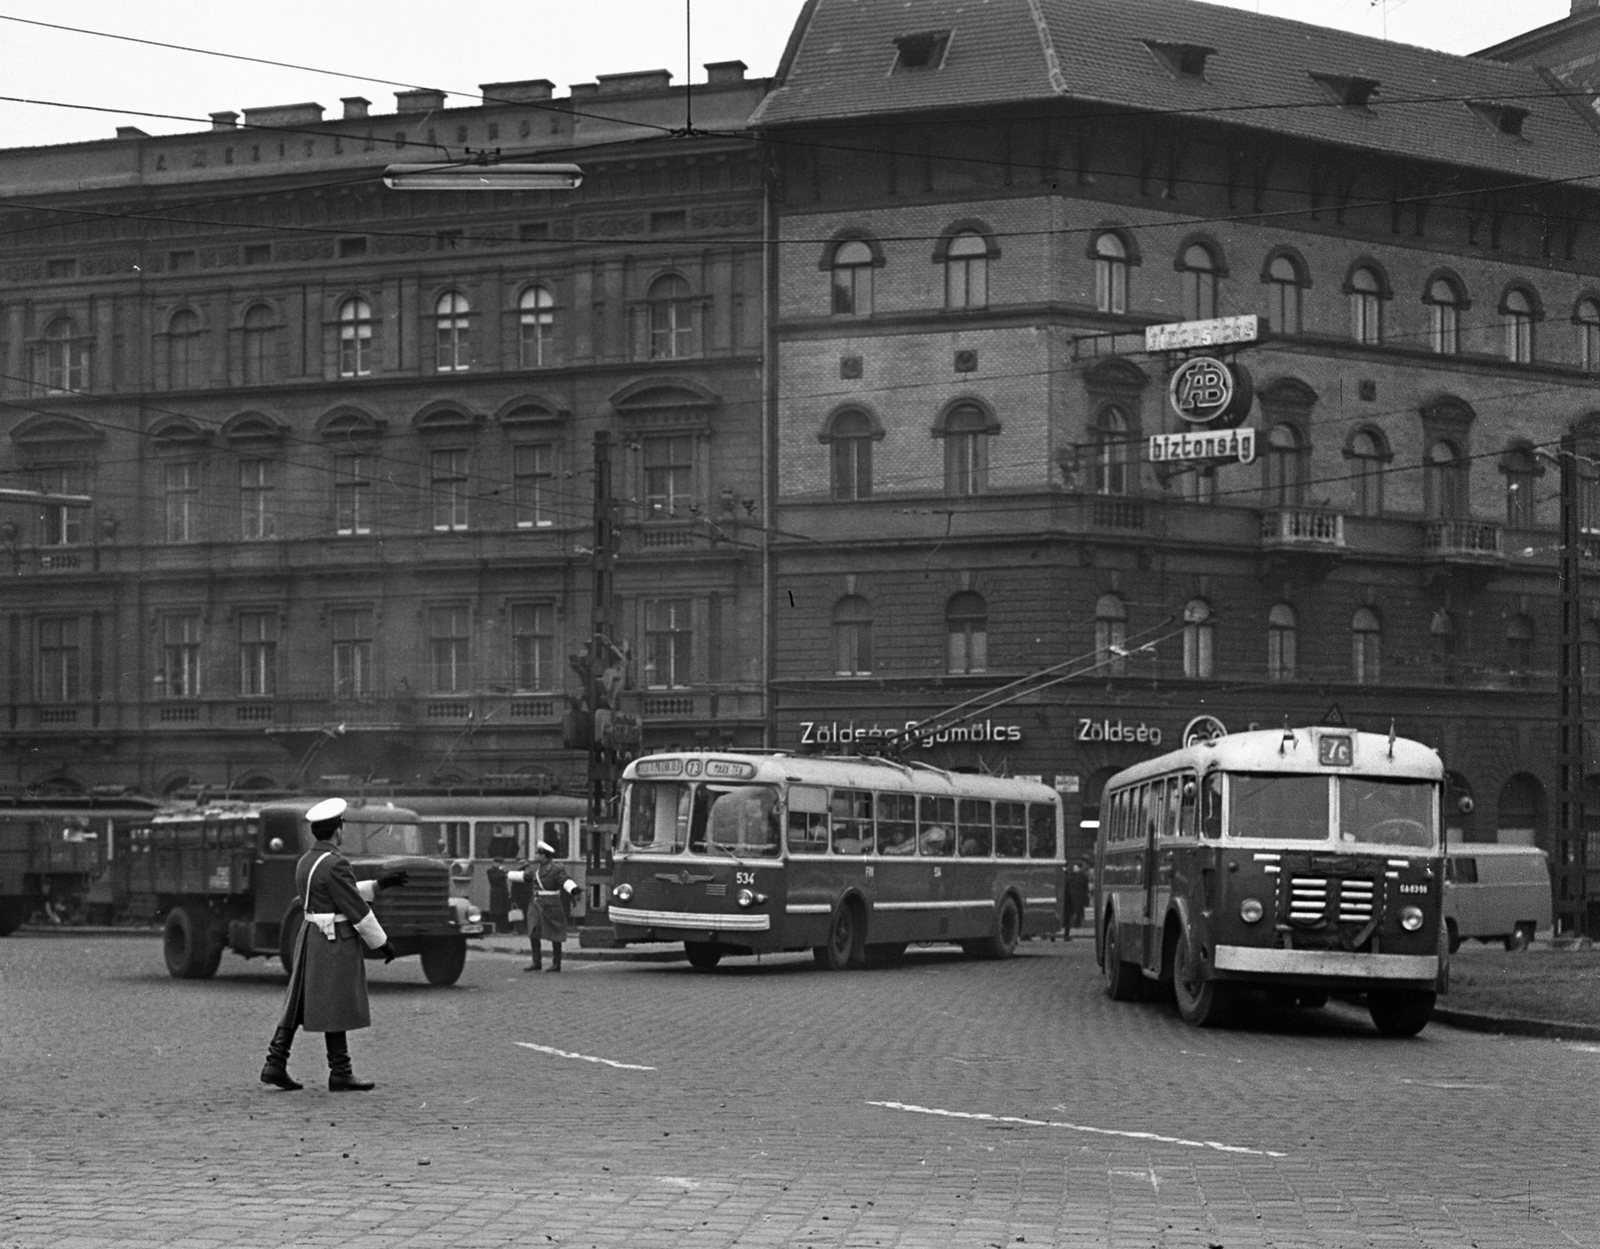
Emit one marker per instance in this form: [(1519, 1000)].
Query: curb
[(83, 930), (1510, 1025), (672, 954)]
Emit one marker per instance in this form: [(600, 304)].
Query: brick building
[(339, 439), (979, 210)]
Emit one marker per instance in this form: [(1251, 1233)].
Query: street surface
[(944, 1102)]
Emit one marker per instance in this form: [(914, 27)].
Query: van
[(1496, 893)]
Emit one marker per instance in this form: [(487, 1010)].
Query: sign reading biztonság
[(1187, 335), (1212, 444)]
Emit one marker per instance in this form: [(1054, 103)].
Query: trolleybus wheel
[(1400, 1012), (190, 944), (1202, 1003), (1002, 942), (288, 934), (703, 955), (843, 938), (1124, 981), (443, 960)]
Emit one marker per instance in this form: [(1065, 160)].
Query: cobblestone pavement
[(769, 1104)]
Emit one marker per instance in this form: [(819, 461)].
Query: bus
[(478, 832), (1299, 860), (852, 858)]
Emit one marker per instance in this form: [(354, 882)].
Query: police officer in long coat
[(553, 891), (328, 978)]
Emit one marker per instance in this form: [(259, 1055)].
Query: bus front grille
[(1308, 899), (1355, 901)]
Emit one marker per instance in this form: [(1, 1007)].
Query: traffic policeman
[(553, 891), (328, 978)]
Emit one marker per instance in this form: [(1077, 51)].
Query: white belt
[(326, 920), (547, 893)]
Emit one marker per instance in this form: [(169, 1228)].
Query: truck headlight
[(622, 893), (1251, 910), (473, 915), (1411, 918)]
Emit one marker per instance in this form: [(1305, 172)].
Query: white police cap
[(327, 809), (544, 847)]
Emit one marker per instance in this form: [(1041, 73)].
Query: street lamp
[(481, 176)]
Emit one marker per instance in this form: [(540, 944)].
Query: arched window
[(852, 279), (1111, 263), (1199, 639), (852, 436), (183, 350), (61, 358), (1519, 647), (1111, 636), (1366, 647), (451, 325), (1587, 318), (1199, 269), (1445, 303), (1284, 286), (1367, 458), (1444, 481), (967, 619), (1281, 646), (852, 637), (1283, 474), (966, 450), (1442, 638), (966, 271), (260, 341), (1366, 306), (1112, 449), (1519, 312), (355, 338), (536, 327), (1522, 475), (671, 318)]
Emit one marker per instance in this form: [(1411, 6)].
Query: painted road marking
[(1079, 1127), (588, 1058)]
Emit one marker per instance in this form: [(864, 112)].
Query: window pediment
[(530, 410), (349, 423), (445, 417), (1287, 394), (55, 431), (254, 427), (661, 402), (180, 432), (1115, 376)]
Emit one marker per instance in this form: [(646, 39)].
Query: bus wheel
[(288, 934), (843, 938), (443, 960), (1124, 981), (703, 955), (1400, 1012), (1202, 1003), (191, 947), (1002, 942)]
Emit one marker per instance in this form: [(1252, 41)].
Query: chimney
[(720, 73), (1583, 6), (419, 101), (528, 91), (131, 132), (641, 80), (355, 106), (284, 115), (224, 120)]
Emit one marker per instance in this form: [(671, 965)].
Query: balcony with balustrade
[(1467, 549)]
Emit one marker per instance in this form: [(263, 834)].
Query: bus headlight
[(622, 893), (748, 899), (1251, 910), (1411, 918)]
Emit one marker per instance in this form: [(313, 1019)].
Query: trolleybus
[(851, 858), (1303, 860)]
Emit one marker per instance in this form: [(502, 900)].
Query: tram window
[(1041, 830), (558, 835), (975, 827), (897, 823), (1011, 830), (808, 819), (852, 821), (1283, 808), (936, 826), (453, 837), (502, 839)]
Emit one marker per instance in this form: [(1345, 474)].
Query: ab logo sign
[(1205, 391)]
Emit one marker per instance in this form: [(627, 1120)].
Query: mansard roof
[(1258, 72)]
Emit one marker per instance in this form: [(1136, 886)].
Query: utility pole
[(1570, 868), (600, 643)]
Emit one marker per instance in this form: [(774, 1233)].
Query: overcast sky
[(454, 47)]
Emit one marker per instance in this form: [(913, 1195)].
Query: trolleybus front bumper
[(695, 920)]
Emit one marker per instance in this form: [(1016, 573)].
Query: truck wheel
[(288, 933), (702, 955), (1124, 981), (12, 912), (191, 944), (444, 959), (1400, 1012)]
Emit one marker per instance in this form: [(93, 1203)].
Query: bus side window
[(808, 819), (1119, 818), (1041, 830), (1167, 798), (1211, 806), (1189, 793)]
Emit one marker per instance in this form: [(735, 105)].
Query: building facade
[(979, 215), (338, 440)]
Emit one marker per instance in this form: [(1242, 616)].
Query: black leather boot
[(276, 1071), (340, 1077), (555, 956), (538, 957)]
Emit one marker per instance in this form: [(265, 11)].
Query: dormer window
[(1506, 118), (924, 50), (1182, 60), (1348, 92)]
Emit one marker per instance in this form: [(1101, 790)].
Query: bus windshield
[(1278, 807), (669, 817), (387, 838), (1386, 812)]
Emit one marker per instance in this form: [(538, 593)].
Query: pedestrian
[(1076, 894), (553, 891), (327, 978)]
